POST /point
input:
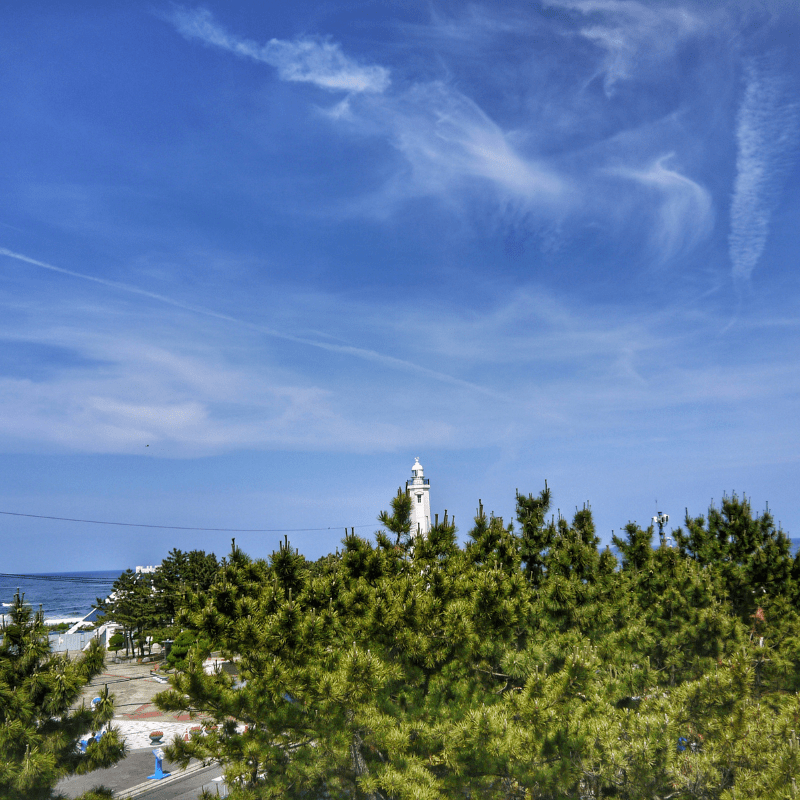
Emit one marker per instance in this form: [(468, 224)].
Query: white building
[(418, 489)]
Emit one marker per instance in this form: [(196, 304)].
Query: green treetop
[(750, 554)]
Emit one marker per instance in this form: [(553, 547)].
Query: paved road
[(186, 788), (131, 774)]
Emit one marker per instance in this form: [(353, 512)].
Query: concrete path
[(137, 732)]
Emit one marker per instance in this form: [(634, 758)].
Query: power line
[(60, 578), (182, 527)]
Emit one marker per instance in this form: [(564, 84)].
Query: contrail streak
[(767, 138), (358, 352)]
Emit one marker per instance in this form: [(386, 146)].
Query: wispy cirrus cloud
[(684, 212), (632, 33), (188, 399), (767, 139), (187, 385), (360, 353), (305, 60), (446, 138), (456, 148)]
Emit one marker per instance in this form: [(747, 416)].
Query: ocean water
[(66, 597)]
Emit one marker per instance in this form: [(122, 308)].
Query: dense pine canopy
[(528, 663), (144, 604), (40, 720)]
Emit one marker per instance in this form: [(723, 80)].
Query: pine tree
[(133, 604), (179, 570), (493, 543), (636, 548), (536, 535), (751, 555), (520, 666), (39, 730), (399, 522)]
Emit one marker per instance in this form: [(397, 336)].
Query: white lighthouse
[(418, 489)]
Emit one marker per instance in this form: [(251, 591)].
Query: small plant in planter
[(156, 737)]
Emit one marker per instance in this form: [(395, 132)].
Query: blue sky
[(256, 257)]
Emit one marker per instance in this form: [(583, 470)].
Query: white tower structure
[(418, 489)]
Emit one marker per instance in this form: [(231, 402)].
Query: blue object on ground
[(84, 743), (682, 743), (159, 773)]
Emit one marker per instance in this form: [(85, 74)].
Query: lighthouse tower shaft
[(418, 489)]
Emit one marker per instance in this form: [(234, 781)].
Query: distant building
[(418, 489)]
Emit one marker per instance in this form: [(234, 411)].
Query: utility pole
[(661, 520)]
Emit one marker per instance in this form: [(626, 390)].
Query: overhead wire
[(57, 578), (90, 581), (180, 527)]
